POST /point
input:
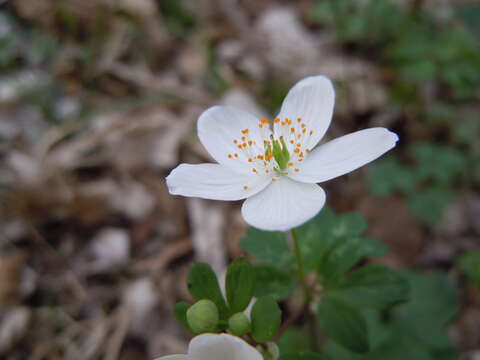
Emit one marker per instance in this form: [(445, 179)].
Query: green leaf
[(270, 247), (401, 346), (433, 303), (203, 284), (386, 176), (373, 286), (266, 317), (344, 255), (239, 284), (470, 264), (272, 281), (294, 339), (439, 163), (430, 203), (308, 355), (344, 324), (180, 312)]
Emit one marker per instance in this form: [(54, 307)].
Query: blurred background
[(99, 101)]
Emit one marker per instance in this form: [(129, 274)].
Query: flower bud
[(202, 316), (270, 351), (238, 324)]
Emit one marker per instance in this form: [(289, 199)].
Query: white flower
[(275, 165), (217, 347)]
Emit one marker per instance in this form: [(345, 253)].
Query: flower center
[(281, 152)]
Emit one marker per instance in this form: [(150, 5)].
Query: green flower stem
[(307, 291), (300, 268)]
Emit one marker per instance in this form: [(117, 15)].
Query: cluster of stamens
[(280, 152)]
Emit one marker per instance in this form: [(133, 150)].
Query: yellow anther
[(250, 160), (254, 170), (292, 130), (311, 132), (243, 138), (299, 145), (304, 130), (230, 156), (264, 121), (297, 150), (260, 157), (277, 120), (245, 187), (273, 179), (245, 131), (250, 142), (292, 142), (290, 164), (240, 146), (299, 120), (235, 141), (236, 155), (297, 169)]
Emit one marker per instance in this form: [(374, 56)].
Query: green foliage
[(180, 311), (178, 19), (344, 324), (266, 318), (272, 281), (239, 284), (469, 263), (333, 243), (203, 284), (416, 329), (302, 356), (268, 246), (426, 184), (374, 286), (293, 340)]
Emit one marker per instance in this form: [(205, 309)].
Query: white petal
[(219, 126), (173, 357), (283, 205), (221, 347), (213, 181), (311, 99), (345, 154)]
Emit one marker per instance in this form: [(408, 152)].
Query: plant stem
[(300, 268), (307, 291)]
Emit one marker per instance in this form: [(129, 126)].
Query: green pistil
[(280, 152)]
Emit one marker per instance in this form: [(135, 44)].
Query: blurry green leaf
[(344, 324), (419, 71), (386, 176), (239, 284), (268, 246), (469, 13), (180, 312), (373, 286), (346, 253), (266, 317), (433, 303), (302, 356), (429, 204), (438, 163), (401, 346), (469, 263), (203, 284), (294, 339), (272, 281), (178, 19)]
